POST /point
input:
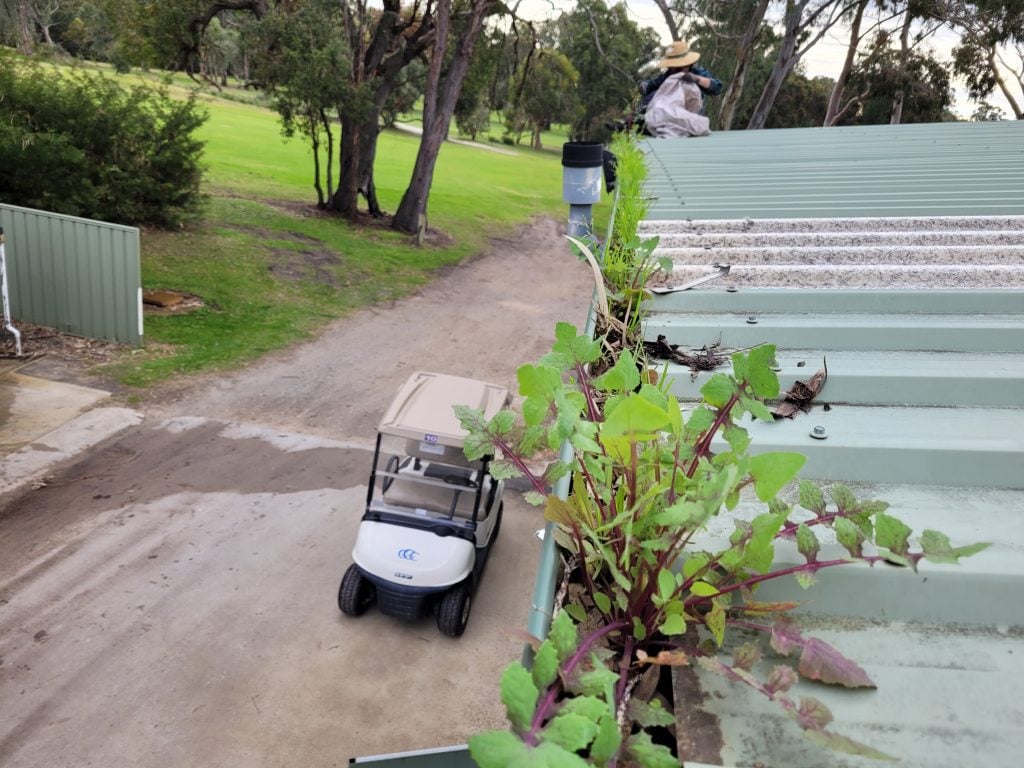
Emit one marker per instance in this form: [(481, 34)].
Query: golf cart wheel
[(453, 611), (356, 593)]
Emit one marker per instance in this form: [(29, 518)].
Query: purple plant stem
[(542, 713)]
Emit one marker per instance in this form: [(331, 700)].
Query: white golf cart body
[(431, 514)]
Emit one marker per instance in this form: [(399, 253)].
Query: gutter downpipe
[(5, 297), (581, 191)]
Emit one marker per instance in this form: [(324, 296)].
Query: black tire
[(453, 610), (356, 593)]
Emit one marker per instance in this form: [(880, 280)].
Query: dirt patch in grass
[(305, 265)]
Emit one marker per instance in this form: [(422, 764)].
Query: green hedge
[(81, 144)]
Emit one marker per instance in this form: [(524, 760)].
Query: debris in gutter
[(708, 358), (801, 394)]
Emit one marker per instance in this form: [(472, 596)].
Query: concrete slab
[(30, 407), (35, 459)]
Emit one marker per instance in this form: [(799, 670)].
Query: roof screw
[(819, 433), (751, 320)]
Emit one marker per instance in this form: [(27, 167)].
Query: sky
[(825, 58)]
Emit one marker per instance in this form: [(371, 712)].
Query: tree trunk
[(799, 31), (784, 63), (26, 40), (535, 142), (1001, 82), (734, 91), (346, 197), (438, 108), (897, 98), (670, 21), (836, 108)]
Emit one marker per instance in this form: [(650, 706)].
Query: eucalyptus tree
[(610, 51), (550, 93), (990, 54), (804, 23)]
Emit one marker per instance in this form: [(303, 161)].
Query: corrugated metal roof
[(939, 169), (926, 408)]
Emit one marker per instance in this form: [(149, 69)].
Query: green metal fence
[(77, 275)]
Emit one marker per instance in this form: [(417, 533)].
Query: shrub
[(82, 145)]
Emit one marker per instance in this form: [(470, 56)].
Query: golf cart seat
[(419, 495)]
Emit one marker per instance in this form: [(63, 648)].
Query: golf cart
[(432, 515)]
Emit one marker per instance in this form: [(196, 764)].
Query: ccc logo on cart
[(409, 554)]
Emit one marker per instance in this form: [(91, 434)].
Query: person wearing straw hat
[(678, 56), (676, 106)]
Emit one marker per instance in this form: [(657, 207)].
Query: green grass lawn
[(272, 270)]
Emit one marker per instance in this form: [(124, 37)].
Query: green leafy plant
[(646, 480)]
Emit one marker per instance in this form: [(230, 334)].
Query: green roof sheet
[(934, 169)]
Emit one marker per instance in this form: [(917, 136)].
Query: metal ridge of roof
[(926, 396), (853, 171)]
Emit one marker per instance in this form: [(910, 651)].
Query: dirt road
[(169, 599)]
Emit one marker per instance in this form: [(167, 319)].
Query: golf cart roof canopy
[(423, 408)]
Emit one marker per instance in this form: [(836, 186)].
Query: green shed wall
[(77, 275)]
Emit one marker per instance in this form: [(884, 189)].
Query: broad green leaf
[(694, 563), (545, 665), (502, 422), (504, 470), (648, 754), (604, 605), (563, 632), (762, 379), (700, 420), (559, 511), (538, 380), (622, 377), (739, 365), (535, 498), (519, 695), (634, 417), (608, 741), (737, 438), (576, 611), (703, 589), (849, 536), (843, 497), (496, 749), (718, 389), (590, 707), (757, 409), (596, 681), (937, 548), (674, 624), (639, 630), (773, 471), (667, 584), (547, 754), (649, 714), (892, 534), (811, 497), (570, 731), (680, 514), (715, 621), (675, 416), (807, 543)]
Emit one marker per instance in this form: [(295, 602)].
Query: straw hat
[(678, 54)]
